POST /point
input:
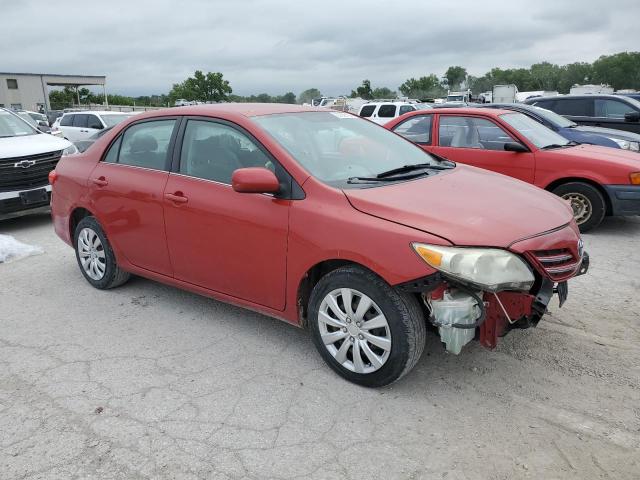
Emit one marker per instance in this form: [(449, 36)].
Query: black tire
[(403, 314), (592, 199), (113, 276)]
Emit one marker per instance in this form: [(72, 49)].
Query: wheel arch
[(561, 181), (76, 216), (312, 276)]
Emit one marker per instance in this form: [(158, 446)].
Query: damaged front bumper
[(462, 314)]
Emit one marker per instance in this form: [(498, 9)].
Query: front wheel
[(368, 332), (587, 203)]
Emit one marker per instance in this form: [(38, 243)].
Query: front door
[(127, 193), (229, 242), (480, 142)]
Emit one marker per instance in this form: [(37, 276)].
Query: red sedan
[(597, 180), (322, 219)]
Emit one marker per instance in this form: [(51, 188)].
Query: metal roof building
[(30, 91)]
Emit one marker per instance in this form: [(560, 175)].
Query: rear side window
[(416, 129), (406, 108), (80, 120), (612, 108), (112, 154), (577, 107), (66, 121), (387, 111), (367, 110), (146, 144)]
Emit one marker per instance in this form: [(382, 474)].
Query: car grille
[(23, 178), (558, 264)]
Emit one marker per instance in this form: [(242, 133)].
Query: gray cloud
[(145, 46)]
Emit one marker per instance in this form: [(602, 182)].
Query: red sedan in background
[(322, 219), (598, 181)]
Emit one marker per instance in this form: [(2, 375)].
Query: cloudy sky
[(144, 46)]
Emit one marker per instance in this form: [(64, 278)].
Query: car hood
[(22, 146), (599, 154), (609, 132), (466, 206)]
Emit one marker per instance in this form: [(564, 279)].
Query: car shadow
[(617, 225), (28, 221)]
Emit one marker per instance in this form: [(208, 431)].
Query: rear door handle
[(100, 181), (177, 197), (85, 131)]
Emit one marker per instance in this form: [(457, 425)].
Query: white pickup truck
[(26, 157)]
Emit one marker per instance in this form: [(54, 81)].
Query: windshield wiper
[(557, 145), (385, 179), (409, 168)]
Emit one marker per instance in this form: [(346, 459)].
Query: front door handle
[(177, 197), (100, 181)]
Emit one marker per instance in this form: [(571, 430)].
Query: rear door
[(579, 110), (127, 189), (66, 125), (229, 242), (480, 142)]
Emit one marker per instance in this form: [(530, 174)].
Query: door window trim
[(293, 190), (497, 124), (170, 147)]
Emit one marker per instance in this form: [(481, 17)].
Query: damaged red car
[(322, 219)]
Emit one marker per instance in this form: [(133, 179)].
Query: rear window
[(387, 111), (367, 110), (66, 121)]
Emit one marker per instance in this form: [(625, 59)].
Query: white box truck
[(504, 93)]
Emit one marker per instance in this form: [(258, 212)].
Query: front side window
[(387, 111), (213, 151), (471, 132), (536, 133), (146, 144), (367, 110), (416, 129), (93, 122), (612, 108), (338, 148)]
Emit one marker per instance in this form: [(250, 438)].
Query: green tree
[(455, 76), (363, 91), (288, 97), (574, 73), (209, 87), (621, 70), (423, 87), (308, 95), (383, 92), (545, 76)]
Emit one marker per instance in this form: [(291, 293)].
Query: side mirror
[(515, 147), (255, 180), (632, 117)]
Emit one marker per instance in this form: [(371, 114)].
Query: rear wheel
[(587, 203), (366, 331), (95, 256)]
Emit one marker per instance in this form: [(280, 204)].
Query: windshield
[(112, 120), (533, 131), (553, 117), (336, 146), (13, 126), (38, 117)]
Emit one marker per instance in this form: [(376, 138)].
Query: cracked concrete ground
[(146, 381)]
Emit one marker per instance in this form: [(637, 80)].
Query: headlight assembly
[(626, 144), (491, 269)]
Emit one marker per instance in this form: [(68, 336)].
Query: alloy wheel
[(91, 253), (354, 330), (580, 205)]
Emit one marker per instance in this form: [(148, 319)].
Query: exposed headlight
[(491, 269), (626, 144), (70, 150)]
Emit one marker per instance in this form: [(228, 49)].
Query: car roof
[(488, 112), (579, 96), (232, 109), (97, 112)]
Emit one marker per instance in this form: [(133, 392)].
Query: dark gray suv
[(610, 111)]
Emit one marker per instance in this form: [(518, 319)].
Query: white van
[(383, 112), (81, 125)]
